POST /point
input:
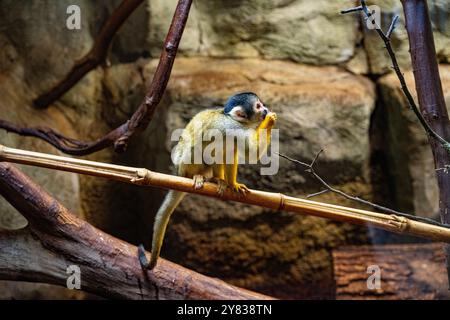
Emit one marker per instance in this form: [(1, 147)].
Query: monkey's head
[(246, 107)]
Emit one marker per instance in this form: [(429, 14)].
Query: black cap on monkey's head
[(245, 107)]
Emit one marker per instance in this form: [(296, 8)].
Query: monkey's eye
[(258, 106)]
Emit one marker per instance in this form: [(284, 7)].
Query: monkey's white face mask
[(255, 114)]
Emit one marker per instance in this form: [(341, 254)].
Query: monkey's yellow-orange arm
[(274, 201)]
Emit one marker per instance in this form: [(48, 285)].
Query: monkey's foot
[(221, 186), (142, 257), (240, 188), (199, 180)]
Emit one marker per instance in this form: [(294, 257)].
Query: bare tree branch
[(387, 42), (430, 96), (94, 57), (139, 121), (55, 239), (63, 143)]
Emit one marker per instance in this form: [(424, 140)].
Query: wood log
[(408, 271)]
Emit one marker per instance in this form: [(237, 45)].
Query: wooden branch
[(408, 271), (120, 136), (430, 96), (63, 143), (273, 201), (55, 239), (94, 57)]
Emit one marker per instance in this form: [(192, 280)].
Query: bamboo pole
[(270, 200)]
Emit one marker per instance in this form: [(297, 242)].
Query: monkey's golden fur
[(224, 174)]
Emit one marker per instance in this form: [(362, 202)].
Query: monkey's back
[(194, 132)]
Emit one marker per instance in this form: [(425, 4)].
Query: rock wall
[(305, 60), (303, 31)]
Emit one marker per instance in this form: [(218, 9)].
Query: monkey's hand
[(271, 119), (268, 122)]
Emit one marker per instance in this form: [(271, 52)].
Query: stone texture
[(378, 58), (300, 30), (305, 31), (131, 41), (409, 155), (277, 253), (37, 29)]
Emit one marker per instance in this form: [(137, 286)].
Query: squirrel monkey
[(243, 112)]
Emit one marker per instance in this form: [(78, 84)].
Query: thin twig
[(94, 57), (355, 9), (120, 136), (387, 42), (312, 195), (328, 188), (392, 26)]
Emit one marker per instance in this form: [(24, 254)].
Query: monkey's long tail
[(171, 201)]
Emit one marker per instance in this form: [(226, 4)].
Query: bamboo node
[(399, 222), (141, 178), (282, 202)]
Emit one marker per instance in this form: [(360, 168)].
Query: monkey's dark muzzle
[(264, 113)]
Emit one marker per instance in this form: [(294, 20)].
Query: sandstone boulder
[(299, 30)]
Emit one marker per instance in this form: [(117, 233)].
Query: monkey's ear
[(238, 113)]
